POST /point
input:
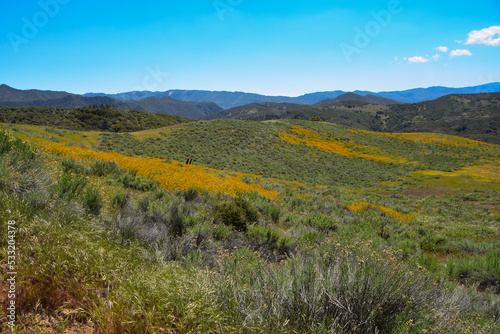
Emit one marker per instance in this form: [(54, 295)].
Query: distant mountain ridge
[(229, 100), (11, 97)]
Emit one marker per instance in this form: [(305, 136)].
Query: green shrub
[(237, 212), (102, 168), (70, 165), (321, 223), (70, 186), (120, 200), (176, 227), (136, 182), (92, 201), (273, 211)]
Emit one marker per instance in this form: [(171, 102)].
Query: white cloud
[(418, 59), (442, 48), (485, 36), (460, 52), (396, 58), (436, 56)]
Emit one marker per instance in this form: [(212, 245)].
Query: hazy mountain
[(34, 98), (222, 98), (356, 97), (431, 93), (228, 100)]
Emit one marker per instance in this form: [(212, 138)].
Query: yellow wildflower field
[(360, 206), (170, 174), (312, 139)]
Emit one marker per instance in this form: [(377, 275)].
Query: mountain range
[(11, 97), (234, 99)]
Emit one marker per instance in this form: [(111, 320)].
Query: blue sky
[(267, 47)]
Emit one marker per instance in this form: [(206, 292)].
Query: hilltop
[(475, 116), (102, 118), (372, 99)]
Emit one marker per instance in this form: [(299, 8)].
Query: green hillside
[(286, 226), (103, 118), (356, 97), (474, 116), (262, 148)]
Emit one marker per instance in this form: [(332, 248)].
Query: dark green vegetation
[(474, 116), (102, 249), (101, 118)]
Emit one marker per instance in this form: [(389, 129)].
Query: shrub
[(237, 212), (70, 165), (272, 211), (190, 195), (340, 292), (136, 182), (176, 226), (92, 201), (101, 168), (120, 200), (70, 186)]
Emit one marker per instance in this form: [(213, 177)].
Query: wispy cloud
[(436, 56), (442, 48), (460, 52), (485, 36), (418, 59)]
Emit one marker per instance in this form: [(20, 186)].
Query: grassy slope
[(472, 116), (92, 118), (256, 147), (453, 233)]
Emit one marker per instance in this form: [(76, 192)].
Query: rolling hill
[(475, 116), (275, 227), (356, 97), (33, 98), (102, 118)]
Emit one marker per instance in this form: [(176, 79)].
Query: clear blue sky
[(272, 47)]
